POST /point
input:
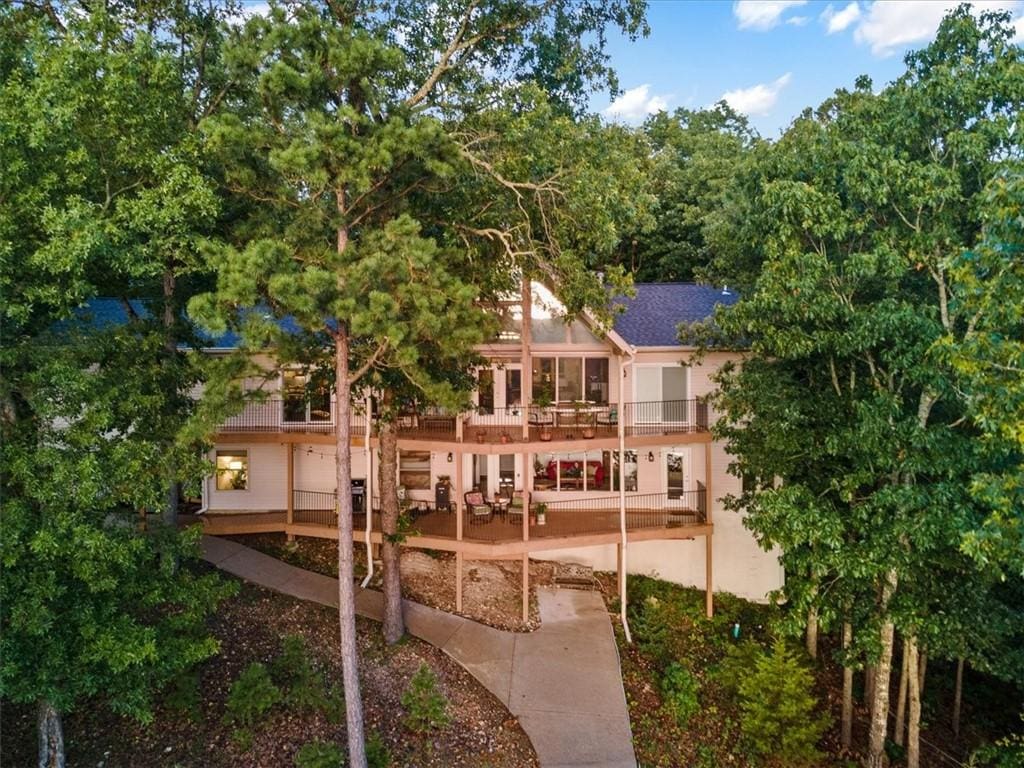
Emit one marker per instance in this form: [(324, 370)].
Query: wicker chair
[(479, 510)]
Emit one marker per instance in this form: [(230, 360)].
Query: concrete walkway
[(562, 682)]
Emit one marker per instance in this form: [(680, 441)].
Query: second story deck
[(557, 423)]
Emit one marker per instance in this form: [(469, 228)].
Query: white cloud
[(758, 99), (634, 105), (762, 14), (890, 25), (837, 21), (1018, 24), (798, 21)]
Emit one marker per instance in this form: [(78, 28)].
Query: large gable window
[(232, 470), (571, 379)]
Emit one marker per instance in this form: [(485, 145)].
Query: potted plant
[(480, 436), (542, 403), (505, 436), (542, 513), (588, 425)]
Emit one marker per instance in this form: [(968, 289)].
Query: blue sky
[(769, 59)]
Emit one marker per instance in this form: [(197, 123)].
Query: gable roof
[(652, 316)]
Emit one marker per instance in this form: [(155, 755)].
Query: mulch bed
[(250, 627), (492, 589)]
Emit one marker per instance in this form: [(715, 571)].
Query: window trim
[(248, 469)]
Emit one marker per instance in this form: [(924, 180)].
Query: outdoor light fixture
[(450, 457), (650, 456)]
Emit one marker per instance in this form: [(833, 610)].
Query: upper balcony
[(561, 422)]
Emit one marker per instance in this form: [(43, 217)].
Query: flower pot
[(480, 437), (588, 432), (542, 518), (545, 436), (505, 437)]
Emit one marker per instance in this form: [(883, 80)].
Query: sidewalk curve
[(562, 682)]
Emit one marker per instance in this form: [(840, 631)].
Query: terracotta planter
[(480, 437), (545, 437)]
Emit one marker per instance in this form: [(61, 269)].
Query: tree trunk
[(914, 713), (811, 638), (958, 696), (922, 665), (51, 736), (846, 735), (346, 575), (869, 685), (880, 698), (390, 549), (171, 347), (901, 700)]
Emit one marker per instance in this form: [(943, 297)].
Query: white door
[(661, 394)]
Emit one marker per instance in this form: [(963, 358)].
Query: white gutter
[(368, 491), (622, 497), (204, 493)]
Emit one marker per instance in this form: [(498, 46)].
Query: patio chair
[(609, 418), (519, 503), (541, 418), (479, 510)]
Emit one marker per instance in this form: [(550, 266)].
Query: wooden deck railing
[(277, 414), (491, 425), (561, 519)]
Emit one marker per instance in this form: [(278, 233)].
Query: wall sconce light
[(450, 457), (650, 456)]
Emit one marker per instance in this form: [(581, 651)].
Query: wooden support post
[(290, 515), (709, 503), (525, 361), (457, 501), (458, 582), (526, 587), (709, 600)]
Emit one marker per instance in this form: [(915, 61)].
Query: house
[(580, 442)]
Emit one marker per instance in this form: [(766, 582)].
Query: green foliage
[(779, 713), (679, 690), (1005, 753), (320, 754), (243, 739), (302, 685), (377, 753), (424, 704), (740, 661), (334, 706), (183, 696), (252, 695)]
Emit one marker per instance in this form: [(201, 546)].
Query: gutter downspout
[(368, 491), (205, 506), (622, 495)]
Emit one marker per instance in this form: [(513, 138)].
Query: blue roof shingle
[(652, 317)]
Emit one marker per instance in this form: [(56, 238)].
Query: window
[(570, 379), (578, 378), (307, 397), (513, 387), (675, 478), (232, 470), (597, 380), (543, 378), (572, 471), (485, 392), (506, 474), (414, 470), (631, 468)]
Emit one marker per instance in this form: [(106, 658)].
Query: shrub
[(302, 683), (183, 695), (424, 704), (242, 738), (778, 710), (252, 695), (319, 754), (679, 689), (739, 662), (377, 753), (334, 706)]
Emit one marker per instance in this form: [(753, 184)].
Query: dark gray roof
[(652, 316), (103, 313)]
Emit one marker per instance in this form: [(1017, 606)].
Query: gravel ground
[(491, 589), (250, 627)]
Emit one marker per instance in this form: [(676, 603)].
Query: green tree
[(861, 207), (105, 195), (693, 157), (336, 131)]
